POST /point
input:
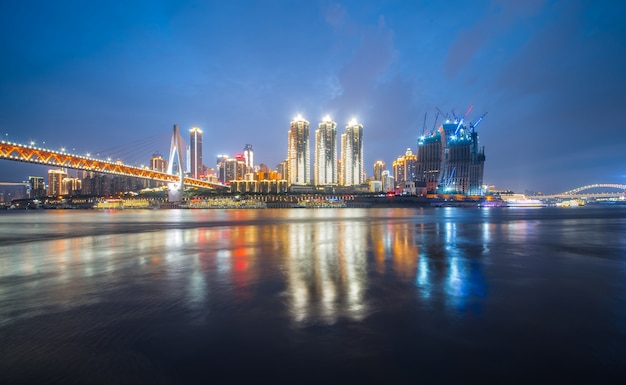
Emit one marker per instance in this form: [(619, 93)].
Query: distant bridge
[(579, 192), (46, 157)]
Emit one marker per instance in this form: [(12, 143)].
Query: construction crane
[(436, 119), (473, 125), (424, 126), (444, 115), (463, 119)]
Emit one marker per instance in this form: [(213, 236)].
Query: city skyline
[(549, 73)]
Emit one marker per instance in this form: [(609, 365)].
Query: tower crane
[(463, 119), (442, 114), (473, 125), (436, 119)]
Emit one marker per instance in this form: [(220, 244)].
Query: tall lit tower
[(353, 170), (55, 182), (299, 152), (325, 170), (248, 154), (379, 167), (196, 168)]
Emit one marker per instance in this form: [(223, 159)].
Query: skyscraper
[(379, 167), (353, 169), (37, 187), (220, 168), (450, 161), (325, 170), (55, 182), (404, 168), (248, 154), (196, 169), (299, 152)]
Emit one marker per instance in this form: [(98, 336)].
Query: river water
[(435, 295)]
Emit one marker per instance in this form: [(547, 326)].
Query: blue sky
[(550, 74)]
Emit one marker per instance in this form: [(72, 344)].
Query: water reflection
[(326, 260), (327, 257)]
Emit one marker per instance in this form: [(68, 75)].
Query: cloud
[(503, 17), (368, 66), (335, 15)]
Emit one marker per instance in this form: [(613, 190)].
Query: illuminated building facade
[(55, 182), (405, 167), (299, 152), (157, 163), (72, 186), (353, 169), (248, 154), (379, 167), (37, 186), (450, 161), (388, 181), (325, 169), (220, 170), (195, 153)]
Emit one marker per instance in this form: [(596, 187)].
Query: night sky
[(551, 76)]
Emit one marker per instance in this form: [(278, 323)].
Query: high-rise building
[(388, 181), (219, 168), (283, 169), (37, 186), (299, 152), (157, 163), (450, 161), (196, 169), (55, 182), (248, 154), (230, 170), (353, 169), (404, 168), (71, 186), (325, 170), (379, 167)]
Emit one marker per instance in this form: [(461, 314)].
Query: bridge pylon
[(175, 189)]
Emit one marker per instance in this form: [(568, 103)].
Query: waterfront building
[(157, 163), (353, 170), (283, 169), (388, 182), (379, 167), (196, 169), (404, 167), (450, 161), (234, 169), (55, 182), (248, 154), (376, 186), (37, 187), (220, 168), (325, 170), (71, 186), (298, 152)]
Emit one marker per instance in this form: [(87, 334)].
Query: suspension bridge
[(175, 179)]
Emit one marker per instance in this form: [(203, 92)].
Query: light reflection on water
[(305, 268)]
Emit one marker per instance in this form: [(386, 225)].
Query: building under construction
[(449, 159)]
